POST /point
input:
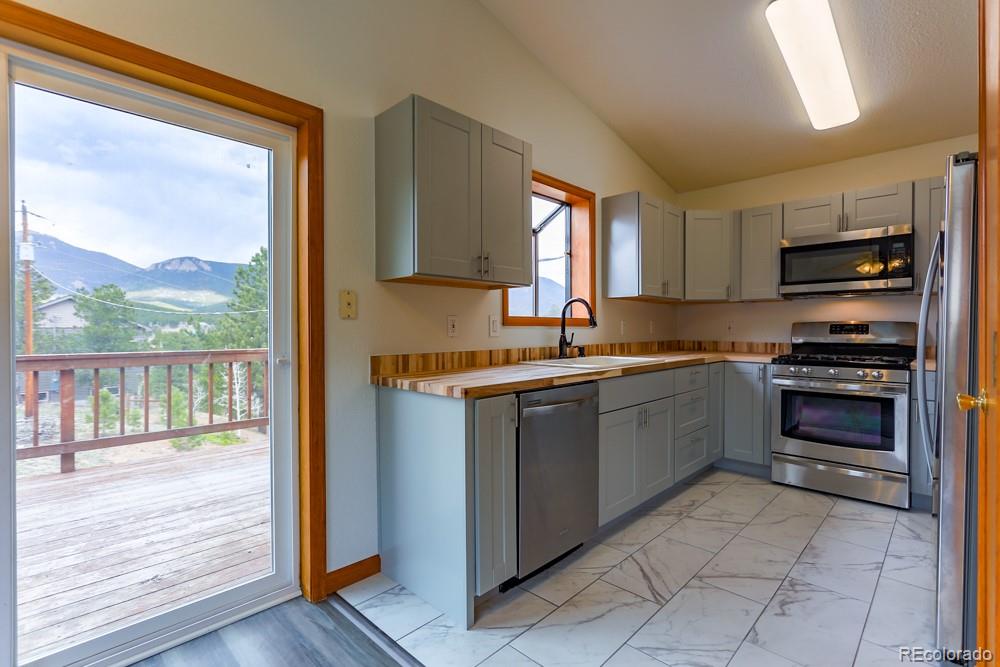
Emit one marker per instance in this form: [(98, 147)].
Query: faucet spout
[(565, 343)]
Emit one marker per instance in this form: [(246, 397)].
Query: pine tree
[(246, 325), (109, 326), (41, 291)]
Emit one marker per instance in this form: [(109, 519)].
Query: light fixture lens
[(807, 38)]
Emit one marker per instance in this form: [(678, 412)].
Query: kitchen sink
[(595, 362)]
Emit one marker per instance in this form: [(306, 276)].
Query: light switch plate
[(348, 304), (494, 326), (452, 326)]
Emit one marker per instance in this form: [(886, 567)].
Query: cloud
[(139, 189)]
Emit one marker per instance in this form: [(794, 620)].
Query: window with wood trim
[(563, 256)]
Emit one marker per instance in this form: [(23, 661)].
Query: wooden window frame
[(53, 34), (583, 251)]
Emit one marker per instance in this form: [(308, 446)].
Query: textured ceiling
[(699, 90)]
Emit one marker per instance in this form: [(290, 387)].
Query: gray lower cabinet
[(882, 206), (619, 460), (496, 491), (745, 405), (691, 452), (707, 255), (809, 217), (636, 456), (928, 214), (716, 408), (452, 198), (760, 235)]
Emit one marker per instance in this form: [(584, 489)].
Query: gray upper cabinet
[(643, 247), (878, 207), (506, 205), (452, 198), (760, 233), (809, 217), (707, 250), (744, 430), (928, 214), (650, 246), (496, 491)]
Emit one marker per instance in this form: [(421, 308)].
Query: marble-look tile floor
[(727, 570)]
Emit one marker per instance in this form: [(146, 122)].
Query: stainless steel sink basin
[(595, 362)]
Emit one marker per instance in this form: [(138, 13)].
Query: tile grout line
[(868, 613)]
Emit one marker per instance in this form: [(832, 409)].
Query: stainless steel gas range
[(840, 410)]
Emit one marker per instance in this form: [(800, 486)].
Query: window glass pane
[(521, 301), (551, 266), (541, 208)]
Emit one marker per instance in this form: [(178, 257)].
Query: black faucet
[(564, 343)]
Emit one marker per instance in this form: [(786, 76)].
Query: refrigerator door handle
[(925, 307)]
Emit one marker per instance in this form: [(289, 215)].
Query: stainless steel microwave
[(858, 262)]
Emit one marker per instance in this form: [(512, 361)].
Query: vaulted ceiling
[(699, 89)]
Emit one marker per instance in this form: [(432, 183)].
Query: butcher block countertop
[(499, 380)]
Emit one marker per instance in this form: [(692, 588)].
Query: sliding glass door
[(148, 390)]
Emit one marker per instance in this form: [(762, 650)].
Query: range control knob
[(805, 370), (862, 374), (876, 375), (833, 371), (793, 370)]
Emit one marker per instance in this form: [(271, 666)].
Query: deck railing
[(232, 362)]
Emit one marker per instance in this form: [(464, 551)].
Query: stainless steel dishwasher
[(557, 473)]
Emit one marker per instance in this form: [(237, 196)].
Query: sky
[(135, 188)]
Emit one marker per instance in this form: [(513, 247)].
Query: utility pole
[(30, 390)]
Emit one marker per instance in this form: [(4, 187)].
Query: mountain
[(179, 283), (551, 297)]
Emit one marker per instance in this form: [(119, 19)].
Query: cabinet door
[(706, 255), (496, 491), (651, 247), (760, 231), (448, 193), (744, 413), (920, 479), (716, 386), (618, 462), (657, 461), (673, 251), (506, 208), (808, 217), (928, 215), (879, 207)]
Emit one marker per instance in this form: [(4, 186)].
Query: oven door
[(869, 260), (857, 423)]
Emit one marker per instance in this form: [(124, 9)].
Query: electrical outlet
[(731, 329), (651, 327), (348, 304), (494, 326), (452, 325), (621, 327)]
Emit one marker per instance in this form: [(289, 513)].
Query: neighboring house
[(58, 315)]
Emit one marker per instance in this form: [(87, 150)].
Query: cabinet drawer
[(691, 378), (690, 453), (635, 389), (692, 411)]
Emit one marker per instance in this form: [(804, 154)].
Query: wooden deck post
[(67, 417)]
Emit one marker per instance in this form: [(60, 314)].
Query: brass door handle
[(967, 402)]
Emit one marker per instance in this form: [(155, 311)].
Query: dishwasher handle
[(554, 407)]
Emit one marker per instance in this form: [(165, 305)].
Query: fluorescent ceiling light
[(808, 40)]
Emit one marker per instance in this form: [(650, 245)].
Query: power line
[(147, 310)]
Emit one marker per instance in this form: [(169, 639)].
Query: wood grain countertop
[(499, 380)]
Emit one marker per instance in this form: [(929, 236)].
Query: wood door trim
[(61, 37), (353, 573), (988, 280)]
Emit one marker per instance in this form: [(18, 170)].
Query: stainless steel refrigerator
[(952, 439)]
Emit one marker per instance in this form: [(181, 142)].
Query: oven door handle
[(855, 388)]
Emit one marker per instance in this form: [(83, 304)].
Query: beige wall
[(354, 59), (771, 321)]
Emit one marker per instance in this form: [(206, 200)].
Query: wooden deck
[(102, 548)]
